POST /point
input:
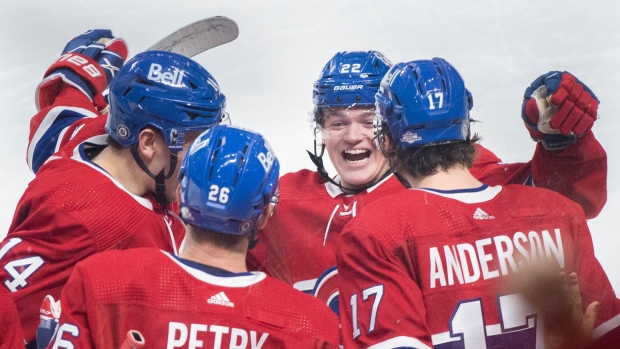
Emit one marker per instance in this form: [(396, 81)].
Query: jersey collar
[(469, 196)]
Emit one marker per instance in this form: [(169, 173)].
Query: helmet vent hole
[(440, 72), (443, 82), (214, 155), (339, 99), (192, 85), (219, 143), (193, 116), (210, 172), (240, 163), (126, 92)]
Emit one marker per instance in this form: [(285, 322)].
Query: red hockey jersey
[(423, 268), (298, 243), (11, 336), (177, 303), (72, 208)]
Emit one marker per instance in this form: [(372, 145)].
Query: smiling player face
[(348, 137)]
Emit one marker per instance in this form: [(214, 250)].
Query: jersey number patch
[(20, 269)]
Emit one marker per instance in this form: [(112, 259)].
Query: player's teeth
[(355, 151)]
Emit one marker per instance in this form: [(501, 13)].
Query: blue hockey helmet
[(167, 91), (227, 178), (350, 79), (424, 102)]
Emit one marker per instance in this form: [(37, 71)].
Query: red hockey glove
[(88, 63), (558, 109), (49, 315)]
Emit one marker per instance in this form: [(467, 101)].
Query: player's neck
[(122, 167), (455, 178), (231, 258)]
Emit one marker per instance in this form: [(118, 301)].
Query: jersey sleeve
[(380, 303), (65, 114), (578, 172), (12, 336), (595, 286), (76, 325)]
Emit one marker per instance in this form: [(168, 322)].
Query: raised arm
[(70, 96)]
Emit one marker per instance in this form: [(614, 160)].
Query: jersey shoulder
[(303, 312), (303, 184), (521, 200)]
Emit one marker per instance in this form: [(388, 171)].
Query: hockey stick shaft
[(199, 36)]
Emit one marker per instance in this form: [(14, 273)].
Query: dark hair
[(427, 160), (113, 143), (319, 115), (214, 237)]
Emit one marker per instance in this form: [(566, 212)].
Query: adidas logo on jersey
[(220, 299), (480, 214)]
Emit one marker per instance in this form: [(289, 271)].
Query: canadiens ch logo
[(326, 289)]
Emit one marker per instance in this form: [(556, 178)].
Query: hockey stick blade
[(199, 36)]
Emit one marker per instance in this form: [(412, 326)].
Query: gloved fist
[(558, 109), (88, 63), (99, 44), (49, 313)]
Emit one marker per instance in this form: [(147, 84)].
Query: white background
[(498, 46)]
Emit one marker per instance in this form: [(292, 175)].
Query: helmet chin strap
[(160, 186), (318, 162)]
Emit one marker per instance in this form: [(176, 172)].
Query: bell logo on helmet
[(266, 160), (410, 137), (167, 78), (122, 131)]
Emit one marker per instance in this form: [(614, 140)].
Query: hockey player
[(96, 190), (422, 268), (298, 243), (205, 297)]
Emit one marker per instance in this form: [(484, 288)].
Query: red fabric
[(88, 69), (73, 209), (404, 262), (12, 336), (291, 247), (63, 218), (153, 293)]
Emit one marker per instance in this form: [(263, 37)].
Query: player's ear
[(148, 143), (264, 217)]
